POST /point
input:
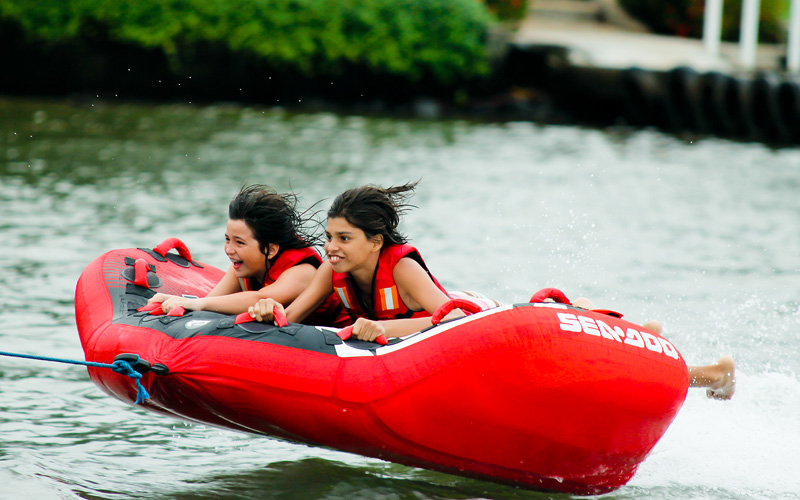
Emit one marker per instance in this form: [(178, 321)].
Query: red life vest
[(330, 313), (385, 297)]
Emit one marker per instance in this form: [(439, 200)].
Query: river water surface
[(703, 235)]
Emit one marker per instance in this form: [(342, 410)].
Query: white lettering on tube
[(589, 326), (669, 349), (607, 331), (569, 322), (634, 338), (651, 342), (598, 328)]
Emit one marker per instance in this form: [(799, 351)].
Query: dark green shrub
[(685, 17), (440, 39)]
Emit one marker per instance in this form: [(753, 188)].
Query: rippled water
[(703, 235)]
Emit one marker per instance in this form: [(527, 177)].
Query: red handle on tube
[(140, 268), (278, 316), (177, 311), (550, 293), (346, 332), (243, 318), (157, 310), (175, 243), (465, 305)]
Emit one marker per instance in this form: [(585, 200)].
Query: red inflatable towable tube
[(543, 395)]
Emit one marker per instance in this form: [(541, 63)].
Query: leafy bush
[(685, 17), (442, 39)]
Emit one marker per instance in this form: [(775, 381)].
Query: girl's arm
[(417, 291), (416, 288), (285, 289), (308, 301), (227, 285)]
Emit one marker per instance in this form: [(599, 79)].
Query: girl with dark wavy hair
[(380, 279), (272, 256)]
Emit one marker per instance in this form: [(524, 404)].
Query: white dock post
[(749, 29), (793, 43), (712, 26)]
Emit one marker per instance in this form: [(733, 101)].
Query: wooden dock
[(606, 68)]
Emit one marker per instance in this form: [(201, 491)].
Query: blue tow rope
[(118, 366)]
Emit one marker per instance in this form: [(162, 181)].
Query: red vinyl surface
[(545, 396)]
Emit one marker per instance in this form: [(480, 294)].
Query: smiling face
[(244, 251), (348, 248)]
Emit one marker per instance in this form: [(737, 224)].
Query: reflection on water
[(339, 481), (701, 235)]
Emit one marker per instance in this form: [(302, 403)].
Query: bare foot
[(719, 379), (584, 303), (653, 326), (726, 385)]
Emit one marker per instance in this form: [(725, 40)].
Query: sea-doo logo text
[(598, 328)]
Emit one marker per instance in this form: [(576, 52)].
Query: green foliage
[(445, 39), (685, 17)]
